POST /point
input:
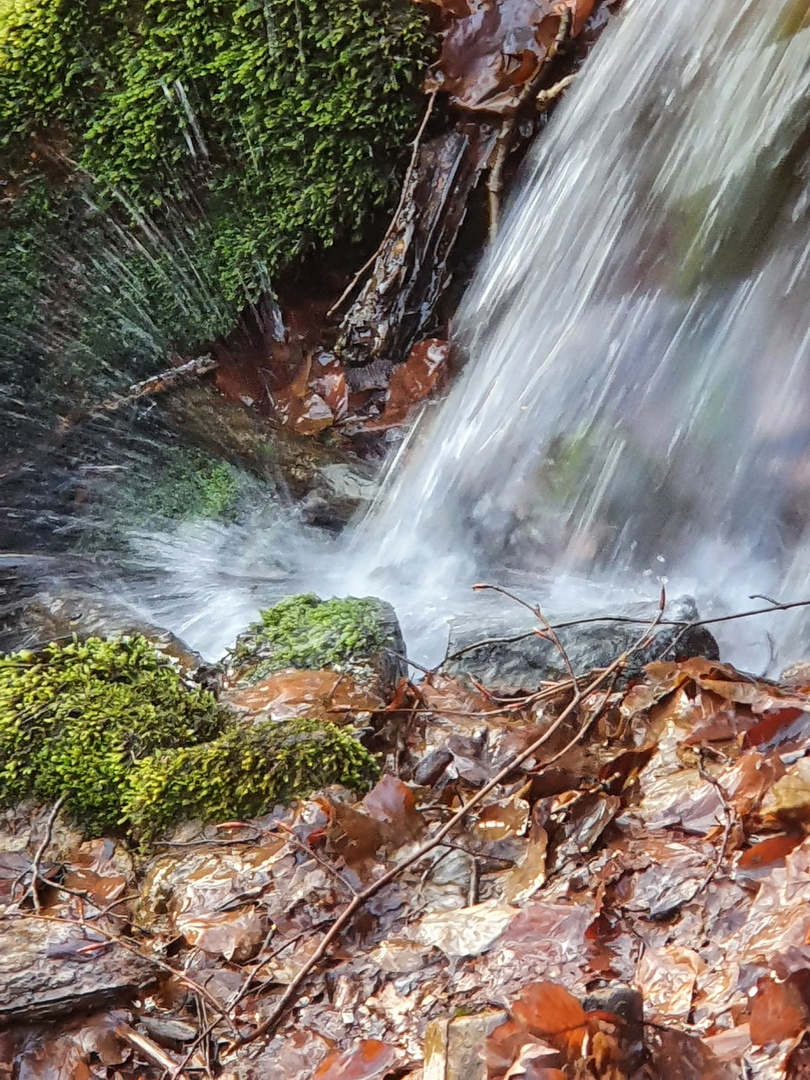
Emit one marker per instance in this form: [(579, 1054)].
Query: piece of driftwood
[(50, 969), (396, 304)]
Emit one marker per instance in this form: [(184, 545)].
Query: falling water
[(636, 395)]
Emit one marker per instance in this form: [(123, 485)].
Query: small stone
[(453, 1045)]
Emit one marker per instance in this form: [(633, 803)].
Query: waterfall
[(635, 400)]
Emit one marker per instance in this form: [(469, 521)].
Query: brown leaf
[(768, 852), (352, 835), (425, 371), (234, 935), (368, 1060), (779, 1011), (391, 803), (320, 695), (489, 54), (506, 817), (548, 1010), (678, 1056), (777, 727)]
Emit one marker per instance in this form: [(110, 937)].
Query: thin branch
[(729, 822), (627, 620), (36, 875)]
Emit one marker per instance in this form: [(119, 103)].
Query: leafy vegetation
[(189, 484), (112, 727), (309, 633)]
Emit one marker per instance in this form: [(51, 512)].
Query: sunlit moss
[(75, 717), (243, 773), (223, 138)]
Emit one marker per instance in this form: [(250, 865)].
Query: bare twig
[(36, 875), (156, 384), (627, 620), (148, 1048), (392, 224), (345, 917), (729, 822)]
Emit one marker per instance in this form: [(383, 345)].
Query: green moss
[(190, 484), (244, 773), (112, 727), (75, 718), (309, 633), (191, 151)]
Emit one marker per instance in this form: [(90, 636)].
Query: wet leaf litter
[(627, 899)]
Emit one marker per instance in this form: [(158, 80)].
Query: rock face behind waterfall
[(510, 658)]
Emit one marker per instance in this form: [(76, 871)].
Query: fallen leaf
[(425, 371), (369, 1060), (779, 1010)]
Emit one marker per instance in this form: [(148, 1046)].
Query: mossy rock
[(361, 635), (181, 156), (115, 729), (243, 773)]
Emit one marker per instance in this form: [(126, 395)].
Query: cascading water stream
[(637, 384)]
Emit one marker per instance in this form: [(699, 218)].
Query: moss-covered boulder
[(115, 729), (356, 635), (243, 773), (179, 156)]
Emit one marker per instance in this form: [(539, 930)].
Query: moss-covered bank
[(112, 727), (167, 160)]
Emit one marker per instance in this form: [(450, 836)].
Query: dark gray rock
[(504, 656)]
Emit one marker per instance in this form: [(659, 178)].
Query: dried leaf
[(466, 932), (548, 1010), (506, 817), (321, 695), (489, 54), (369, 1060), (666, 978), (234, 935), (392, 805), (779, 1010), (768, 852), (425, 371)]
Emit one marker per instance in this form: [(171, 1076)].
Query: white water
[(636, 402)]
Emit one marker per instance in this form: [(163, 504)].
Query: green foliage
[(111, 726), (74, 719), (206, 144), (309, 633), (244, 773)]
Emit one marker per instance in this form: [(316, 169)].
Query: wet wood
[(50, 969), (396, 305)]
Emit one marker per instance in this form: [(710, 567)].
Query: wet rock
[(453, 1045), (50, 969), (511, 656)]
